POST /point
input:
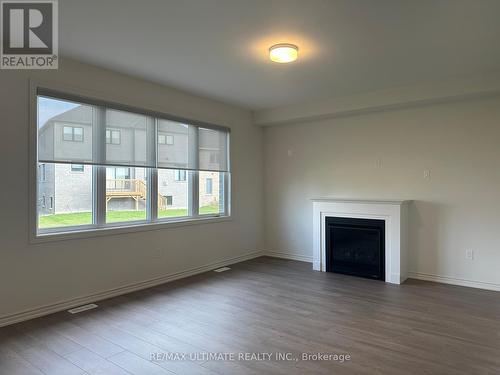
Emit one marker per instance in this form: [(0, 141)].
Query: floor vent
[(222, 269), (79, 309)]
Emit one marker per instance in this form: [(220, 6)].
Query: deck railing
[(133, 188)]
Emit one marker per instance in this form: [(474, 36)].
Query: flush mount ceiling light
[(283, 53)]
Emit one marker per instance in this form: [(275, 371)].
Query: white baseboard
[(74, 302), (301, 258), (454, 281)]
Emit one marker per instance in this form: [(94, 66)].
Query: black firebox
[(356, 247)]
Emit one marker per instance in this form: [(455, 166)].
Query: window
[(208, 186), (72, 133), (77, 167), (180, 175), (164, 139), (42, 172), (123, 178), (113, 137)]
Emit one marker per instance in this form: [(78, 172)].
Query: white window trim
[(99, 181)]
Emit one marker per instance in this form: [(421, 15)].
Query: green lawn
[(83, 218)]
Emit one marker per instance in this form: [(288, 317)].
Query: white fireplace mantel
[(393, 212)]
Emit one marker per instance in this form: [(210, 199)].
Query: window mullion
[(152, 214), (193, 193), (99, 155), (153, 193), (195, 175)]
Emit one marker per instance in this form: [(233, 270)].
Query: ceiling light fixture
[(283, 53)]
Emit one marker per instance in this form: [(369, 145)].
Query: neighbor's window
[(72, 133), (113, 137), (208, 186), (165, 139), (180, 175), (42, 172), (77, 167), (105, 178)]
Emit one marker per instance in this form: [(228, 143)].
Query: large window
[(130, 168)]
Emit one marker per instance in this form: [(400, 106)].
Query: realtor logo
[(29, 34)]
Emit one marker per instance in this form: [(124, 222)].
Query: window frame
[(99, 226)]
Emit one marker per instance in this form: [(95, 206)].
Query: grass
[(84, 218)]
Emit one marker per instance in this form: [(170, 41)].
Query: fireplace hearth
[(355, 247)]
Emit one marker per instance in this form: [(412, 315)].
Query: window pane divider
[(152, 173)]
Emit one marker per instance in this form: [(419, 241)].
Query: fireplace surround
[(393, 213)]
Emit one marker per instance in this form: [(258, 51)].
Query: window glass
[(115, 137), (42, 172), (126, 194), (208, 186), (173, 194), (78, 134), (69, 197), (67, 133), (211, 195), (180, 155), (180, 175), (77, 168), (132, 138)]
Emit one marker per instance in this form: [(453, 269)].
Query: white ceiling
[(218, 48)]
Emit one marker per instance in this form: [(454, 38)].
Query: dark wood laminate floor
[(268, 305)]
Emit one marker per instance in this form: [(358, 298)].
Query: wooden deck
[(130, 188)]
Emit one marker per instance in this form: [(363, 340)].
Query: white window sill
[(123, 228)]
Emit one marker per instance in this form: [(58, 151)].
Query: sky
[(48, 108)]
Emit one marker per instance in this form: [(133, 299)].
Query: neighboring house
[(65, 188)]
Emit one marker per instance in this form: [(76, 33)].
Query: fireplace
[(355, 247), (393, 212)]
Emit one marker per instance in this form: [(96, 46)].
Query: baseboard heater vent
[(80, 309), (222, 269)]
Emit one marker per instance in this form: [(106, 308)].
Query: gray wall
[(384, 155), (33, 275)]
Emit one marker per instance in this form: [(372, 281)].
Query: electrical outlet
[(469, 254), (427, 174)]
